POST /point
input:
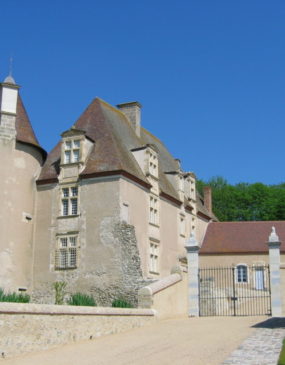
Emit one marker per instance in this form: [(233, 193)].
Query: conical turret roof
[(24, 129)]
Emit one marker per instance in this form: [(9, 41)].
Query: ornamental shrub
[(82, 299), (121, 303), (14, 297)]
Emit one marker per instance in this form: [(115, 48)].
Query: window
[(192, 189), (153, 210), (72, 151), (241, 274), (181, 183), (153, 164), (153, 257), (193, 224), (182, 226), (69, 201), (66, 254)]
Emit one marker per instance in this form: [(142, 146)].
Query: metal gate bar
[(234, 291)]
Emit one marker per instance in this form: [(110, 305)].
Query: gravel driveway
[(183, 341)]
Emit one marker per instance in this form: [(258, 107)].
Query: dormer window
[(153, 168), (72, 151)]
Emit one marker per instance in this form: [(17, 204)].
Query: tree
[(245, 202)]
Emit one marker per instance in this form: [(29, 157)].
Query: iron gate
[(234, 291)]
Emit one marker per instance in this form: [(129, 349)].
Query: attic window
[(71, 151), (153, 164)]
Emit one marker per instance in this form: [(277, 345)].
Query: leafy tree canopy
[(245, 202)]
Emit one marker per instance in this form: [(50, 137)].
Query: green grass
[(121, 303), (281, 360), (14, 297), (82, 299)]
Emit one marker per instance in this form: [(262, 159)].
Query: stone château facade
[(107, 210)]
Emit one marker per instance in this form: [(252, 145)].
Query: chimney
[(132, 111), (208, 198)]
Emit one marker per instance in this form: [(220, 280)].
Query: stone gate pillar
[(192, 248), (274, 265)]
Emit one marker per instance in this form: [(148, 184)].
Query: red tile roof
[(240, 237)]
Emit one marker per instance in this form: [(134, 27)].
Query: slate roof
[(24, 129), (114, 139), (241, 237)]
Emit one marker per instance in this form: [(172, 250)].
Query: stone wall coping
[(52, 309), (161, 284)]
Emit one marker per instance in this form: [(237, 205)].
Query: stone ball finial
[(273, 236), (191, 242)]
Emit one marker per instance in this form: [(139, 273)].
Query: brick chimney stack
[(208, 198), (132, 111)]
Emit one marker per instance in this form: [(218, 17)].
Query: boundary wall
[(32, 327), (167, 296)]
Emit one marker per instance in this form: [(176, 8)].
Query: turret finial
[(9, 79)]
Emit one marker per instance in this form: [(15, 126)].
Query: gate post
[(192, 248), (274, 264)]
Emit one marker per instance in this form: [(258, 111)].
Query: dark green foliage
[(82, 299), (246, 202), (14, 297), (281, 360), (121, 303)]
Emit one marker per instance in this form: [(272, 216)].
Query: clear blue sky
[(210, 74)]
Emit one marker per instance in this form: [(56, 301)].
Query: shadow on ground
[(276, 322)]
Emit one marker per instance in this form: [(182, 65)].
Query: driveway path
[(183, 341), (262, 347)]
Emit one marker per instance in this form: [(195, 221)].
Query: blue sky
[(209, 74)]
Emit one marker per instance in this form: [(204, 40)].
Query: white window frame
[(67, 251), (154, 210), (242, 274), (71, 151), (153, 257), (69, 201)]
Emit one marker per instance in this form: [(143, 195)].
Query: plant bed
[(14, 297), (82, 299)]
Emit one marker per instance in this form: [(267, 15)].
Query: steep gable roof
[(114, 139), (241, 237)]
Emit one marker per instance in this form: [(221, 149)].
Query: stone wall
[(120, 277), (33, 327), (127, 263)]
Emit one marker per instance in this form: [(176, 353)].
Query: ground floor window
[(242, 274), (67, 252)]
